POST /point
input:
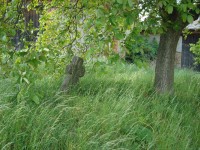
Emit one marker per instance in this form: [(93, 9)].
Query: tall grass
[(116, 109)]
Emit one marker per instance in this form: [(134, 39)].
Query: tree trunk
[(164, 72)]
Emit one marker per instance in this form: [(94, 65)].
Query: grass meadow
[(114, 107)]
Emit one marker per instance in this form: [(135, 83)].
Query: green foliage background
[(195, 48)]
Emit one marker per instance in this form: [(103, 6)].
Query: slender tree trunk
[(164, 72)]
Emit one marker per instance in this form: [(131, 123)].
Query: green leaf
[(197, 10), (119, 36), (184, 7), (26, 80), (4, 38), (114, 11), (99, 13), (34, 62), (124, 4), (12, 32), (46, 49), (130, 2), (164, 3), (139, 62), (169, 9), (184, 17), (191, 5), (160, 4), (22, 53), (190, 19), (112, 20), (85, 2), (130, 20), (19, 97), (120, 1), (36, 99)]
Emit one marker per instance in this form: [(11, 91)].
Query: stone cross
[(73, 71)]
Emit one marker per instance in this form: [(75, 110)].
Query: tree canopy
[(88, 28)]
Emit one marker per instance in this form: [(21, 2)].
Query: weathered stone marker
[(73, 71)]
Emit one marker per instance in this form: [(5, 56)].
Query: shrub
[(140, 48)]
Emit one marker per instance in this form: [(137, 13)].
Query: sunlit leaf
[(130, 19), (130, 2), (169, 9), (119, 36), (36, 99), (26, 80), (124, 4), (99, 12), (184, 17), (112, 20), (190, 19), (4, 38), (160, 4), (120, 1)]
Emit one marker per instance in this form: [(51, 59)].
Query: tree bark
[(164, 72)]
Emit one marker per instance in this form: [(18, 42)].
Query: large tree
[(175, 15), (166, 17)]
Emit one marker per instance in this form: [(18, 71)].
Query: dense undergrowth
[(113, 107)]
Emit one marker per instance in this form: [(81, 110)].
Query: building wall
[(178, 59)]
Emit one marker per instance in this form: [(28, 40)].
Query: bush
[(195, 48), (140, 48)]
